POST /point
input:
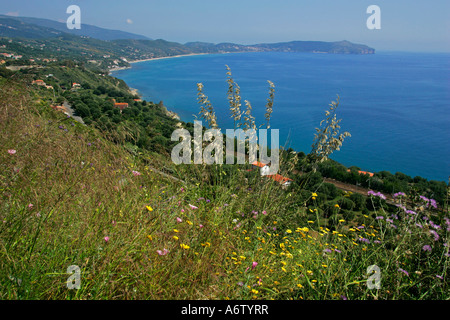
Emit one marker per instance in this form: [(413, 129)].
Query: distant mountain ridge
[(111, 49), (343, 47), (52, 27)]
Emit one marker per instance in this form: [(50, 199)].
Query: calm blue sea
[(396, 105)]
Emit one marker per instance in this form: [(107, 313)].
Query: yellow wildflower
[(175, 238), (149, 208), (184, 246)]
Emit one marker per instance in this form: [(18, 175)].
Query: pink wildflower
[(254, 264), (136, 173), (179, 220), (162, 252), (193, 207), (12, 151), (106, 239)]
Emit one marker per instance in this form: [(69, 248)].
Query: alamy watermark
[(374, 21), (74, 21), (214, 152), (374, 280), (74, 281)]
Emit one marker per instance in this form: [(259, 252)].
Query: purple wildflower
[(399, 194), (433, 203), (364, 240), (435, 234), (376, 194), (404, 271), (426, 247)]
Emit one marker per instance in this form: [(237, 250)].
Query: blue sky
[(414, 25)]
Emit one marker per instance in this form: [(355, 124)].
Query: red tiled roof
[(258, 164), (364, 172), (279, 178)]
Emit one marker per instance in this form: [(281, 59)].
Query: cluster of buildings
[(42, 84), (11, 55)]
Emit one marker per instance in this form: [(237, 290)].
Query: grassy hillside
[(75, 195)]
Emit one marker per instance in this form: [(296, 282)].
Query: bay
[(395, 104)]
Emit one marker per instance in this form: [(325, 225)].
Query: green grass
[(67, 188)]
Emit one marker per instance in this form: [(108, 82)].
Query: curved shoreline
[(151, 59)]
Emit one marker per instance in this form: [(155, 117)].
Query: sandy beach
[(151, 59), (168, 57)]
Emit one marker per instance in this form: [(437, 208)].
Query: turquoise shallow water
[(396, 105)]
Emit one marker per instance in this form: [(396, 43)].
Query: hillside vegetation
[(107, 198)]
